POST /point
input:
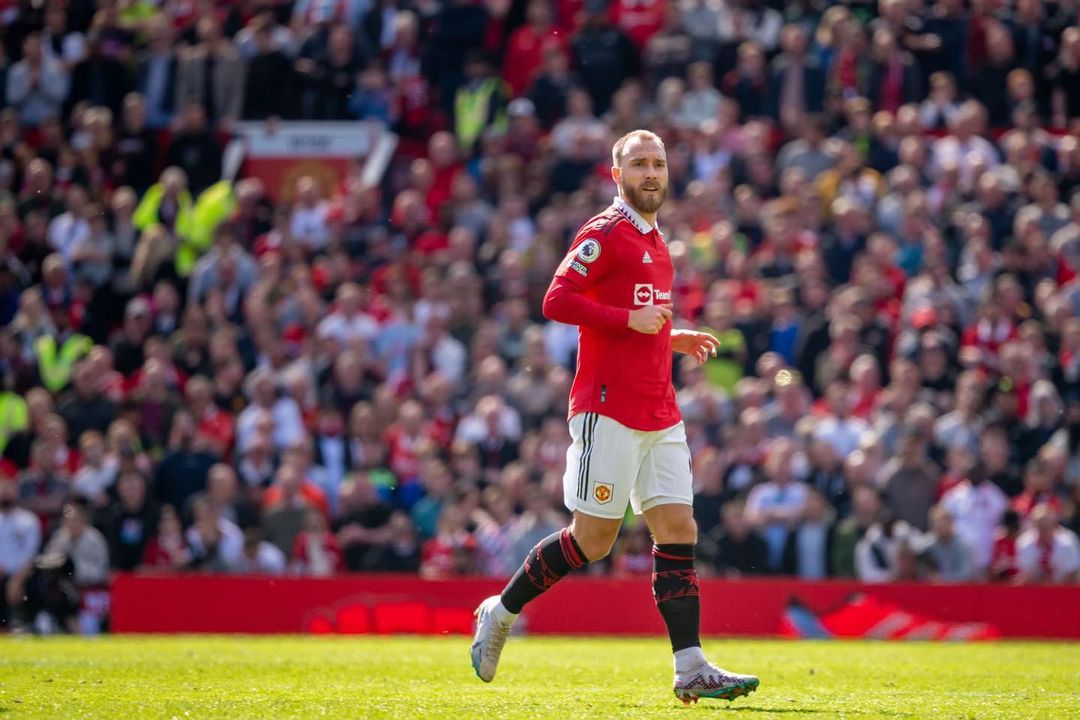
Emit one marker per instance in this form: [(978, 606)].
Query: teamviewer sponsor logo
[(643, 294)]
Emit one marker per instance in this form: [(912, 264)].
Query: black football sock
[(675, 589), (547, 563)]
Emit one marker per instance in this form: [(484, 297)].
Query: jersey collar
[(632, 215)]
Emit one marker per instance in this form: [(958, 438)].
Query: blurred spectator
[(36, 85), (480, 102), (316, 551), (880, 552), (155, 74), (950, 557), (1047, 552), (734, 548), (20, 539), (195, 151), (527, 44), (453, 550), (1003, 561), (259, 557), (184, 468), (808, 549), (910, 480), (363, 527), (604, 55), (210, 74), (98, 79), (76, 557), (267, 82), (633, 554), (96, 473), (130, 522), (167, 550), (977, 507), (286, 509), (866, 510), (216, 544), (796, 81), (775, 506)]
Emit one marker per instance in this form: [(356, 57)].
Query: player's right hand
[(650, 319)]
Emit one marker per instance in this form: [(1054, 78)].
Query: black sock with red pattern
[(547, 563), (675, 589)]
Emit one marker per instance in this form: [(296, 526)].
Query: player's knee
[(596, 550), (681, 531), (595, 543)]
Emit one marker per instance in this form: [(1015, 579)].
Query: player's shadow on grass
[(752, 709), (796, 711)]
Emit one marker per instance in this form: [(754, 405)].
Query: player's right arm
[(567, 301)]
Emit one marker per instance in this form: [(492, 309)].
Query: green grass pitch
[(137, 678)]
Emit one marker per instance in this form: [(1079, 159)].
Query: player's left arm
[(691, 342)]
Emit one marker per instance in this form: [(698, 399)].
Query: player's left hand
[(691, 342)]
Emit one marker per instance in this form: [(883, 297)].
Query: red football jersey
[(621, 263)]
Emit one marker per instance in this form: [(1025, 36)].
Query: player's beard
[(644, 201)]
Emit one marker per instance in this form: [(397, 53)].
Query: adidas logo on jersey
[(646, 258)]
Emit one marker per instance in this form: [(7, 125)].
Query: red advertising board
[(407, 604)]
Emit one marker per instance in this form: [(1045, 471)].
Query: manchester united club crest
[(603, 492)]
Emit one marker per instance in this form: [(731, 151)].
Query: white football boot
[(709, 681), (491, 635)]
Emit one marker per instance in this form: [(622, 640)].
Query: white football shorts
[(609, 464)]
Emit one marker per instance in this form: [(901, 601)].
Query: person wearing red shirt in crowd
[(211, 422), (640, 19), (1038, 490), (167, 551), (526, 46), (1003, 565), (453, 550), (316, 551), (445, 166), (629, 441), (408, 440)]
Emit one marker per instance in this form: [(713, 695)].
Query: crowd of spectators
[(875, 206)]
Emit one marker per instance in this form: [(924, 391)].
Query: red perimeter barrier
[(407, 604)]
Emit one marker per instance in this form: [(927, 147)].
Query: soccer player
[(629, 442)]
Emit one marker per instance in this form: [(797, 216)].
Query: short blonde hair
[(620, 144)]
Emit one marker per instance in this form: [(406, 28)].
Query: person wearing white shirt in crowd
[(36, 85), (1047, 552), (70, 230), (839, 428), (84, 544), (776, 504), (67, 48), (215, 543), (259, 557), (308, 224), (877, 553), (20, 538), (441, 351), (976, 506), (261, 390), (492, 418), (964, 148), (348, 321), (98, 471), (701, 101)]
